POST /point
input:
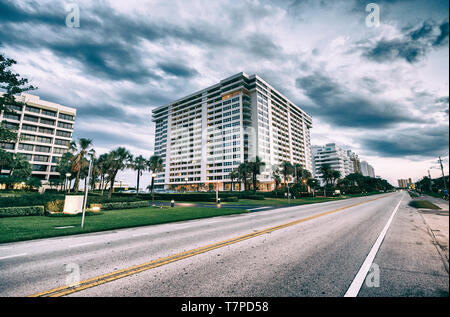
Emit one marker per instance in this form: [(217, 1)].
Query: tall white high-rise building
[(204, 136), (44, 132)]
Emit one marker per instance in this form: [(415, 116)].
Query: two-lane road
[(310, 250)]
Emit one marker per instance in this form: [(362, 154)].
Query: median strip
[(109, 277)]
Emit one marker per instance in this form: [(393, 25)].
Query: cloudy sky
[(380, 91)]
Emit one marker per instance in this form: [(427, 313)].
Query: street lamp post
[(66, 182), (186, 180), (153, 190), (86, 191)]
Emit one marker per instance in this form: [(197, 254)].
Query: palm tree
[(79, 161), (234, 174), (255, 169), (155, 165), (325, 170), (243, 172), (277, 180), (313, 184), (118, 160), (139, 164), (335, 175), (103, 168), (298, 168), (286, 169)]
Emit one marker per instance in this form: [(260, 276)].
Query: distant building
[(367, 169), (44, 132), (404, 183), (339, 159)]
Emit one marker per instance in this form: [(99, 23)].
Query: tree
[(12, 84), (139, 164), (298, 172), (103, 168), (325, 170), (314, 184), (244, 172), (234, 174), (277, 179), (255, 169), (335, 175), (118, 160), (79, 160), (286, 170), (155, 165)]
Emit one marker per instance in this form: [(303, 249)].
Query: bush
[(230, 199), (122, 205), (87, 213), (21, 211), (55, 206), (29, 199)]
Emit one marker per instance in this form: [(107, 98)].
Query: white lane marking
[(12, 256), (64, 227), (354, 288), (80, 245), (259, 208)]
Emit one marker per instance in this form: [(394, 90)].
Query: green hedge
[(122, 205), (21, 211)]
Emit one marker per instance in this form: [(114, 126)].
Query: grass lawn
[(423, 204), (35, 227)]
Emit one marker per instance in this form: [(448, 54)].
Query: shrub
[(230, 199), (55, 206), (21, 211), (122, 205)]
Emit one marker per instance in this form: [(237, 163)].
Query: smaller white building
[(338, 158), (367, 169)]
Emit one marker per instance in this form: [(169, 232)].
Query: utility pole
[(442, 170), (429, 176), (86, 189)]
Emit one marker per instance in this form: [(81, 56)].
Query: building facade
[(205, 135), (367, 169), (44, 132)]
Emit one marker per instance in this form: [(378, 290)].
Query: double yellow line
[(105, 278)]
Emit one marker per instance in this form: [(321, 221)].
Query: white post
[(86, 193), (217, 191)]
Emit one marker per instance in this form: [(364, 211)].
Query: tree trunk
[(111, 187), (137, 186)]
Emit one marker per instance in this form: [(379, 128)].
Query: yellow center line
[(109, 277)]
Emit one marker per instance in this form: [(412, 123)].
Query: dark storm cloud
[(113, 140), (342, 107), (107, 44), (109, 112), (262, 46), (422, 142), (414, 44), (177, 70)]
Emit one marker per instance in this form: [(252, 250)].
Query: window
[(43, 139), (47, 121), (65, 116), (15, 107), (41, 158), (65, 125), (29, 127), (7, 146), (32, 109), (27, 156), (61, 142), (40, 148), (39, 168), (63, 134), (55, 159), (46, 130), (11, 116), (26, 147), (10, 126), (27, 137), (30, 118), (49, 113), (58, 150)]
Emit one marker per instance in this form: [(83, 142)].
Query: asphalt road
[(309, 250)]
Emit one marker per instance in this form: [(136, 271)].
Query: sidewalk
[(438, 223)]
